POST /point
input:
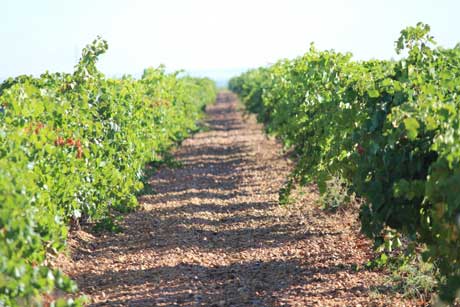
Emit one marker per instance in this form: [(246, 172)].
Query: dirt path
[(213, 235)]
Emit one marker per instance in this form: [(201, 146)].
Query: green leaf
[(373, 93), (412, 126)]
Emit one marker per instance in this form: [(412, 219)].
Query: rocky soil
[(213, 234)]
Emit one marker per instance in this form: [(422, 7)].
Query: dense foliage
[(72, 147), (389, 129)]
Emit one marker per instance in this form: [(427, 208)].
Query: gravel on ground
[(213, 234)]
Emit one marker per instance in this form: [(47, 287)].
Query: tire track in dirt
[(214, 235)]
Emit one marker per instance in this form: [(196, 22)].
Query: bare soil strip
[(214, 235)]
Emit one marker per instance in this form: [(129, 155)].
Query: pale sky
[(215, 37)]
